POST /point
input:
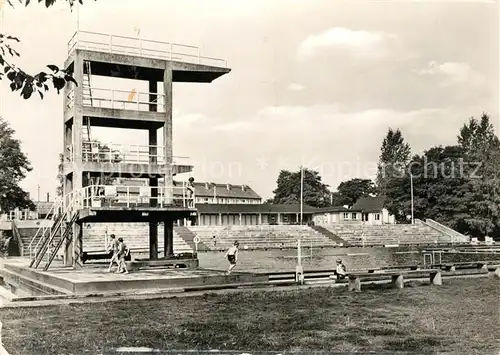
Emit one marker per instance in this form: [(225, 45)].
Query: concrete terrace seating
[(260, 236), (387, 234), (135, 235)]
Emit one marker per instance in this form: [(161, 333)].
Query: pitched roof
[(203, 189), (369, 204), (333, 209), (250, 208), (206, 189)]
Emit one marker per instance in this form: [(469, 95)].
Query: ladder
[(87, 89), (87, 100)]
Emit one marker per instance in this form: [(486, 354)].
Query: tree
[(337, 199), (482, 153), (394, 157), (438, 188), (315, 192), (456, 185), (14, 167), (19, 79), (353, 189)]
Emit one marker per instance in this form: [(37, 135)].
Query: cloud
[(295, 87), (233, 126), (363, 42), (452, 73), (189, 119)]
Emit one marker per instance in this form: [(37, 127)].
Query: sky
[(312, 83)]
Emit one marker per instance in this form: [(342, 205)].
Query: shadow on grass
[(461, 317)]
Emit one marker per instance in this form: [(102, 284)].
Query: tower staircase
[(49, 243)]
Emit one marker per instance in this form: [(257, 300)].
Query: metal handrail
[(138, 47), (91, 196), (118, 153), (49, 216), (159, 100)]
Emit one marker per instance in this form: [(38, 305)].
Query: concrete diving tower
[(91, 166)]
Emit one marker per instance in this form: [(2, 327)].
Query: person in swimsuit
[(113, 247), (232, 256)]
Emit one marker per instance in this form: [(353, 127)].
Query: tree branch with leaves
[(19, 79)]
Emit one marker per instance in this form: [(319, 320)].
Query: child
[(341, 270), (232, 256), (123, 252), (113, 247)]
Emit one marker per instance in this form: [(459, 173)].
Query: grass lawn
[(462, 316)]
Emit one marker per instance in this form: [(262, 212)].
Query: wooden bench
[(396, 277), (465, 265)]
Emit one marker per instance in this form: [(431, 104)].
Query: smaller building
[(204, 192), (367, 210)]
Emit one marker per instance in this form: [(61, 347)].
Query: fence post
[(299, 271)]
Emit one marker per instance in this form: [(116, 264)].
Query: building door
[(364, 217)]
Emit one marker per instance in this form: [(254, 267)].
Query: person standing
[(113, 248), (232, 256), (123, 252)]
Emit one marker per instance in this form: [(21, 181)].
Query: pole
[(38, 193), (299, 271), (301, 195), (411, 183), (299, 253)]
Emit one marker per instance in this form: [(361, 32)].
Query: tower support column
[(168, 238), (167, 132), (77, 245)]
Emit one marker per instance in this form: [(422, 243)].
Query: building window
[(377, 217), (206, 199), (243, 201), (346, 215), (354, 216)]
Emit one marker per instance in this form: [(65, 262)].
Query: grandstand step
[(335, 238)]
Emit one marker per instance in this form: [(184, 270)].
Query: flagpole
[(301, 195), (411, 183)]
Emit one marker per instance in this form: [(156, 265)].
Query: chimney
[(48, 197), (243, 187), (206, 186), (228, 187)]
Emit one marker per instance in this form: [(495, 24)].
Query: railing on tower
[(102, 42), (104, 152), (121, 196), (119, 99)]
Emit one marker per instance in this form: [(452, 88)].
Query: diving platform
[(142, 59)]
